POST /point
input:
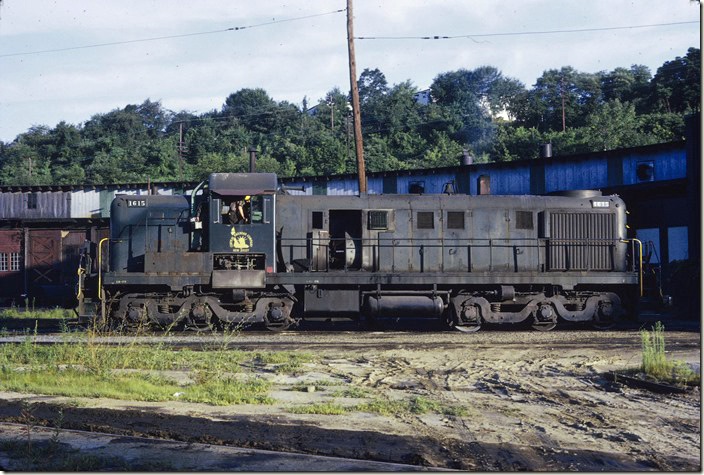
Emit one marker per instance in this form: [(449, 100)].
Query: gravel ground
[(533, 401)]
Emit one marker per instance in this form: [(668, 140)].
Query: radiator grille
[(581, 241)]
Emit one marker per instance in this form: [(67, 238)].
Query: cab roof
[(235, 184)]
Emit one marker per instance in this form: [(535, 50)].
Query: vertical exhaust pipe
[(546, 150), (252, 160)]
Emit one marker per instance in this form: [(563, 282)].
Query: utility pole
[(562, 96), (357, 120), (181, 150), (331, 103)]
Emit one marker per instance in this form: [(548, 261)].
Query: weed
[(226, 391), (283, 357), (353, 392), (56, 433), (382, 406), (293, 368), (47, 313), (29, 420), (415, 405), (326, 408), (654, 362)]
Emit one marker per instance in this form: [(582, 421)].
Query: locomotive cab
[(241, 228)]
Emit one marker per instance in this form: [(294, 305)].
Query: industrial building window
[(416, 187), (524, 220), (15, 261), (3, 262), (317, 220), (320, 188), (425, 220), (455, 220), (378, 220), (389, 185), (32, 201), (677, 243), (645, 171)]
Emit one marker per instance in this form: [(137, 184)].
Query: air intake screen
[(455, 220), (524, 220), (425, 220), (581, 241), (378, 220)]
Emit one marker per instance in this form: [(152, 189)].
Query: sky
[(292, 58)]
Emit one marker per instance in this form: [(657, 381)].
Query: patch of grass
[(353, 392), (225, 392), (382, 406), (73, 382), (282, 357), (28, 313), (77, 383), (89, 354), (82, 367), (293, 368), (415, 405), (326, 408), (654, 362)]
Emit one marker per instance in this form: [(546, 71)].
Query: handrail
[(640, 261), (100, 268), (534, 244)]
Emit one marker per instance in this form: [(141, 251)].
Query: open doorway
[(345, 238)]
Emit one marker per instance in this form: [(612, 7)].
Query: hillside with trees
[(494, 117)]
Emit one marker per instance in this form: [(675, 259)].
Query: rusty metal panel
[(11, 241), (11, 281), (44, 257)]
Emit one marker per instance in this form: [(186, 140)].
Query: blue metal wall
[(587, 171)]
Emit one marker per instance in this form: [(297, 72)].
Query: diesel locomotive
[(240, 249)]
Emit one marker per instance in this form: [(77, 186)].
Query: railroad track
[(358, 341)]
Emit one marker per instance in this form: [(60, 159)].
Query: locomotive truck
[(239, 249)]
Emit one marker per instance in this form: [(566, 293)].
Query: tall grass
[(84, 367), (654, 361), (652, 344), (29, 313)]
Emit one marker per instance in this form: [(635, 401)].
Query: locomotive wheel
[(543, 326), (468, 328), (603, 324), (207, 325), (279, 326)]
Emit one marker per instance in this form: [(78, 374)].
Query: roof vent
[(546, 150)]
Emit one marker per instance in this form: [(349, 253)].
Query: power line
[(158, 38), (519, 33)]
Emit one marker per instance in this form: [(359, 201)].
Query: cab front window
[(242, 210)]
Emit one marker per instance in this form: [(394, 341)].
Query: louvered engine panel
[(581, 241)]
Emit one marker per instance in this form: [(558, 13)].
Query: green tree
[(614, 125), (675, 86)]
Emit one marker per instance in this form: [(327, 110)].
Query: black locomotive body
[(204, 260)]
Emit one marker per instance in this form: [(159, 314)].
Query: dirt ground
[(534, 401)]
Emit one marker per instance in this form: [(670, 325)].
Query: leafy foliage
[(495, 117)]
